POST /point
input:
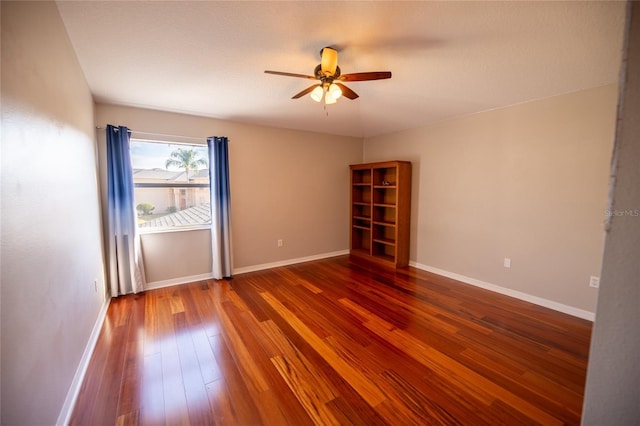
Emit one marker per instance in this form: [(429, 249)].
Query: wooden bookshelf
[(380, 212)]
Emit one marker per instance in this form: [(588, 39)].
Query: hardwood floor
[(334, 342)]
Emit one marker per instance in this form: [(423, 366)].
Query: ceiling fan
[(328, 73)]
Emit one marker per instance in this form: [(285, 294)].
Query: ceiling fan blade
[(289, 74), (346, 92), (329, 61), (305, 91), (365, 76)]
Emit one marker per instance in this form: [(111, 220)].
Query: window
[(171, 185)]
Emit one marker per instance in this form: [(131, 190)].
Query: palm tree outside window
[(187, 159)]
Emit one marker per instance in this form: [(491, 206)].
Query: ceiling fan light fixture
[(317, 93), (329, 61), (328, 99), (334, 92)]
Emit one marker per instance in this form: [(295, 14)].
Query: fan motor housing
[(326, 80)]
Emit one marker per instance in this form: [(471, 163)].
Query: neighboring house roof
[(155, 174), (187, 217), (204, 173), (168, 175)]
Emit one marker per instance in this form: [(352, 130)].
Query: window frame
[(185, 185)]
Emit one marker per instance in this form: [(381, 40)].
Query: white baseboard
[(67, 408), (177, 281), (570, 310), (264, 266), (236, 271)]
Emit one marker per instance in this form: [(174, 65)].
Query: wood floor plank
[(284, 400), (296, 280), (301, 384), (305, 381), (248, 292), (175, 402), (209, 367), (203, 297), (263, 394), (129, 401), (150, 324), (333, 341), (440, 363), (229, 396), (151, 392), (190, 306), (560, 402), (530, 356), (413, 404), (363, 385), (175, 301), (193, 381), (107, 401), (241, 354), (288, 299), (129, 419), (323, 310), (222, 410)]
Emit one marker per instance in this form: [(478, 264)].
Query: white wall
[(285, 184), (613, 376), (526, 182), (51, 240)]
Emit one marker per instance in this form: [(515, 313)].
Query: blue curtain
[(126, 273), (222, 265)]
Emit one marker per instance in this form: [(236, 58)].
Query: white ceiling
[(447, 58)]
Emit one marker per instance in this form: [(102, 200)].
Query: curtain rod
[(160, 134)]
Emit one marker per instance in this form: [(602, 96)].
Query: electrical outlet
[(280, 243), (507, 262), (594, 282)]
